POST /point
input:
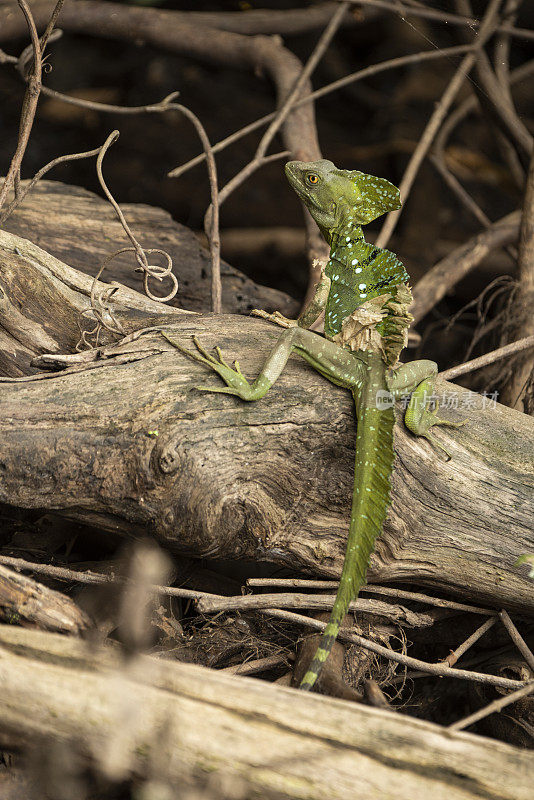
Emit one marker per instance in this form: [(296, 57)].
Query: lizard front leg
[(418, 378), (339, 366)]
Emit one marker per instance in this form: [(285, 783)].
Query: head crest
[(378, 196)]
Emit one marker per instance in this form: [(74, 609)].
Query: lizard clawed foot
[(419, 419), (426, 421), (235, 381)]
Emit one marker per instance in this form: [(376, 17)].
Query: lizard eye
[(312, 178)]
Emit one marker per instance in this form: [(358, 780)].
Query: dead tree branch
[(260, 54), (462, 21)]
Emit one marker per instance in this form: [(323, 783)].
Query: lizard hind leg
[(418, 377)]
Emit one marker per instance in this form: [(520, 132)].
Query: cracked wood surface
[(281, 743), (24, 601), (126, 441)]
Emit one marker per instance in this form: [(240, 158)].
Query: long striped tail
[(370, 501)]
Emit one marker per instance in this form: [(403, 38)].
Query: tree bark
[(123, 439), (159, 716)]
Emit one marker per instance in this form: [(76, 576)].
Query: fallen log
[(123, 439), (177, 718), (73, 226), (26, 602), (251, 508)]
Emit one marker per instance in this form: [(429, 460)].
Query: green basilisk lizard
[(364, 294)]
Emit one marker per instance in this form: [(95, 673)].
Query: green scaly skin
[(341, 201)]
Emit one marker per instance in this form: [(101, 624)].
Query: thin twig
[(100, 309), (374, 69), (501, 67), (28, 186), (470, 104), (441, 16), (109, 108), (212, 227), (401, 594), (496, 705), (501, 48), (164, 106), (50, 27), (487, 27), (432, 669), (465, 198), (307, 70), (488, 358), (64, 574), (517, 639), (454, 655), (148, 269), (498, 103), (29, 106)]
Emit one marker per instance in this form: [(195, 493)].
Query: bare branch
[(253, 22), (280, 117), (389, 591), (454, 655), (470, 104), (488, 358), (64, 574), (517, 639), (38, 175), (432, 669), (29, 106), (492, 708), (487, 27), (212, 226), (354, 77), (317, 602)]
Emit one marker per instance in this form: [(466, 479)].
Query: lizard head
[(334, 196)]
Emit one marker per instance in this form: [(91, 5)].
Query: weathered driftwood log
[(126, 441), (24, 601), (158, 715), (82, 230), (84, 238)]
